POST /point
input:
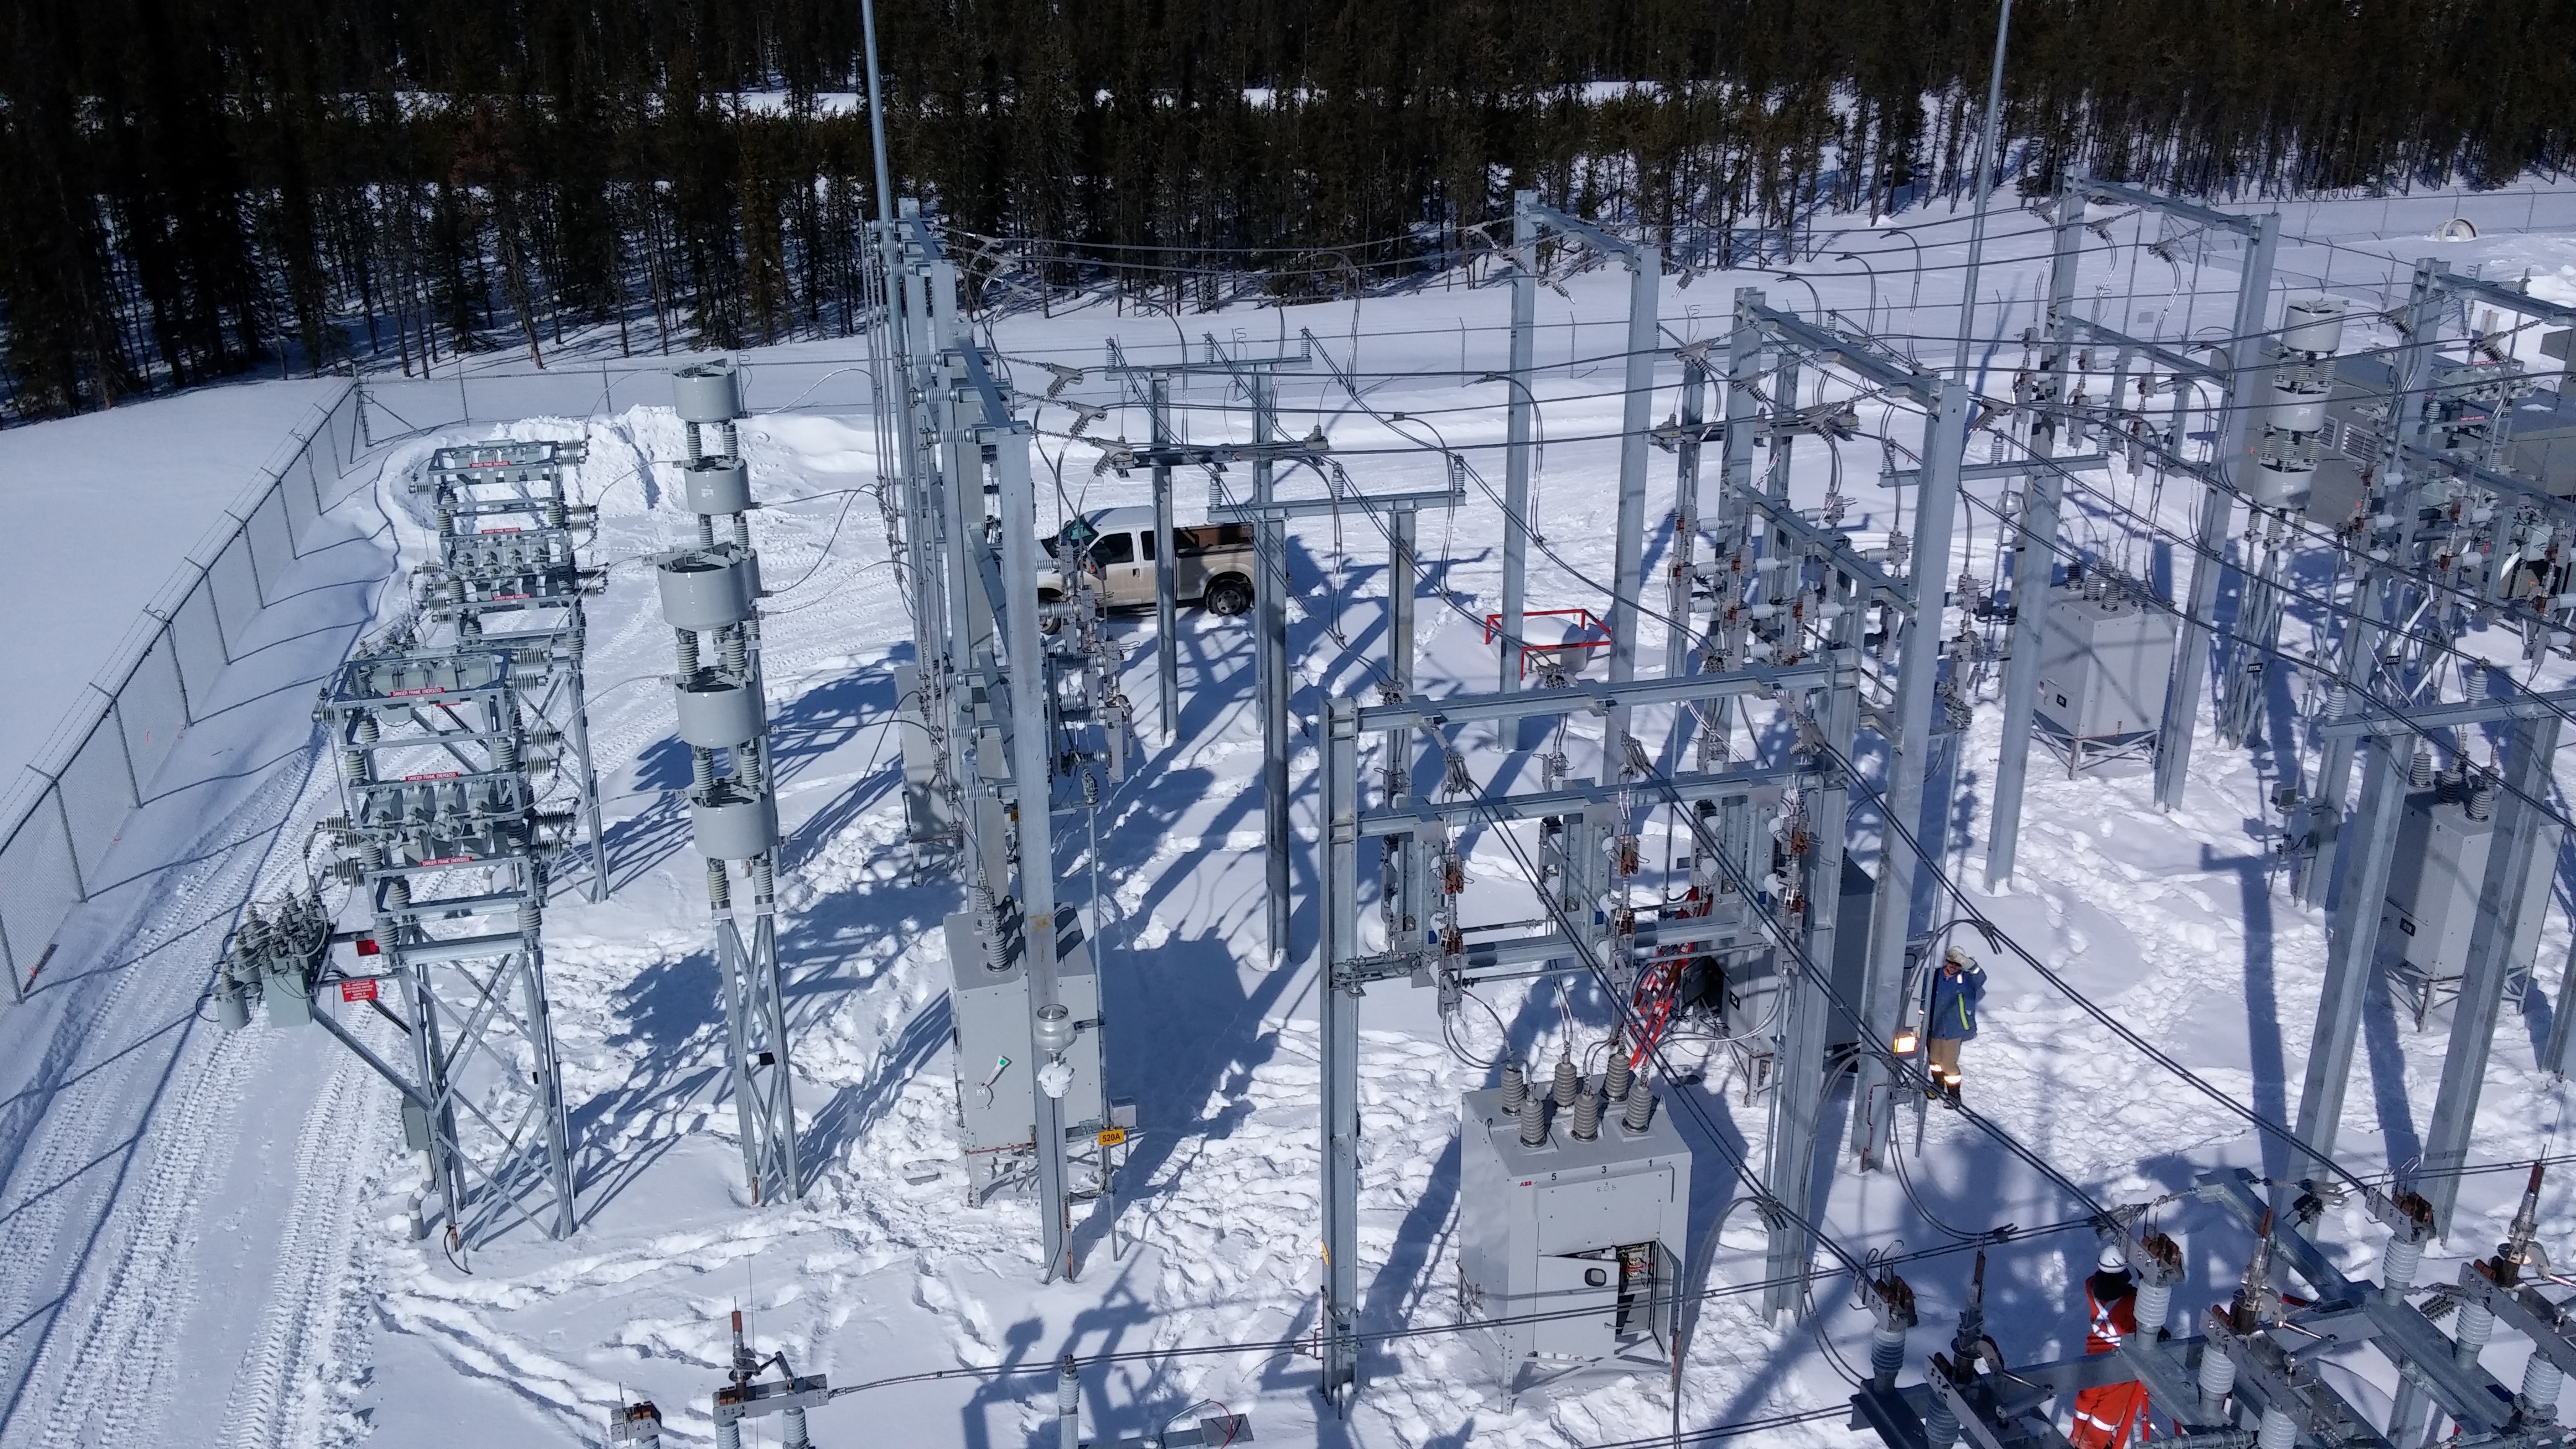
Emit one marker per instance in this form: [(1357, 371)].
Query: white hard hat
[(2112, 1259)]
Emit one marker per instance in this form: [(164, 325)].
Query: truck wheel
[(1228, 596), (1045, 624)]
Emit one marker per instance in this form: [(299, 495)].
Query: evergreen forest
[(202, 188)]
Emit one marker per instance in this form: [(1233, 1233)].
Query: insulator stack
[(1587, 1116), (1533, 1112), (2217, 1381), (2540, 1383)]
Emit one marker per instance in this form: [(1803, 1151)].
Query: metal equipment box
[(1596, 1231), (928, 815), (1748, 977), (2102, 669), (989, 1016), (2434, 891)]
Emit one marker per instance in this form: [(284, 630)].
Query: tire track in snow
[(281, 1391), (117, 1369), (116, 1303)]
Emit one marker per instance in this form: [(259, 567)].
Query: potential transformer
[(2435, 890), (989, 1029), (1571, 1211), (2103, 664)]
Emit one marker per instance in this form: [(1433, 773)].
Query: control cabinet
[(2434, 890), (989, 1015), (2102, 670)]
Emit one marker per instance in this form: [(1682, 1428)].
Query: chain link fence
[(398, 407), (61, 817)]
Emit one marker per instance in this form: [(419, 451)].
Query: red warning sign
[(358, 990)]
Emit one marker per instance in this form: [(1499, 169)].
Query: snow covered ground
[(100, 510), (201, 1236)]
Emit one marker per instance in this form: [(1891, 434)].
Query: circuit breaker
[(989, 1016), (1592, 1232), (2102, 669)]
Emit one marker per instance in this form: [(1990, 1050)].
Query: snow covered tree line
[(204, 187)]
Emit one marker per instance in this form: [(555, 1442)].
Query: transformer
[(1594, 1230), (989, 1029), (2102, 672), (2434, 895)]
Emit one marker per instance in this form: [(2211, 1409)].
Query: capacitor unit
[(710, 591), (2294, 409)]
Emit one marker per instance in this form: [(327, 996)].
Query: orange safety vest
[(2113, 1322)]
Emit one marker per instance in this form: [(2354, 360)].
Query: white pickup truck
[(1211, 562)]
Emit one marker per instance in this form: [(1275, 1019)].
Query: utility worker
[(2105, 1413), (1957, 988)]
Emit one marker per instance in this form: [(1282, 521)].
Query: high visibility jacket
[(2114, 1320), (1952, 1012)]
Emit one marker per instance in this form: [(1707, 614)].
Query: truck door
[(1123, 580)]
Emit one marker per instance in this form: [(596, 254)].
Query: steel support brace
[(577, 737), (1685, 550), (1270, 607), (2369, 849), (2035, 557), (1735, 485), (1797, 1106), (2520, 829), (1636, 423), (1033, 779), (756, 1030), (1401, 584), (2372, 598), (2191, 655), (1902, 870), (1338, 1010), (1167, 642), (1518, 414), (2244, 376)]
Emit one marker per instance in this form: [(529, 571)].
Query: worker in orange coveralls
[(2105, 1412)]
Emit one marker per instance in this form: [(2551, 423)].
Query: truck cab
[(1211, 563)]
